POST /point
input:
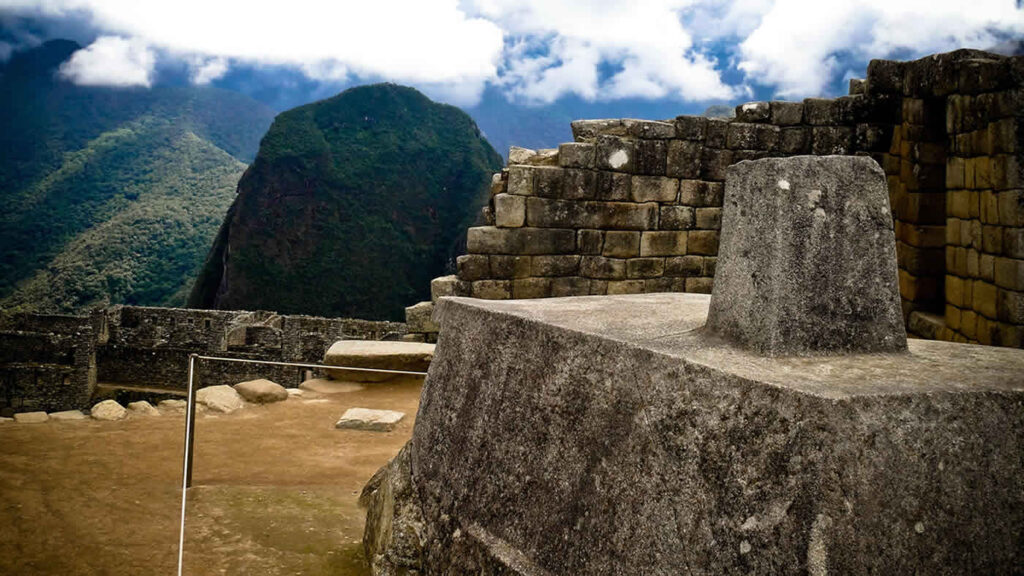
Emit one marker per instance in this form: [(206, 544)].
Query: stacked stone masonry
[(55, 362), (634, 206)]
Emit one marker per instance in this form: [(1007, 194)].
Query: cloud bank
[(536, 51)]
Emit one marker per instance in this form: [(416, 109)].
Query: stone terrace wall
[(54, 362), (634, 206)]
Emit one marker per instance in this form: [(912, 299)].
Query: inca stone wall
[(634, 206), (54, 362)]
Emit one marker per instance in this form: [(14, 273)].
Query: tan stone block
[(655, 189), (601, 268), (1013, 242), (492, 289), (684, 266), (959, 204), (570, 286), (1007, 172), (493, 240), (959, 266), (969, 324), (555, 265), (984, 329), (509, 210), (1011, 335), (473, 267), (700, 193), (954, 173), (531, 288), (663, 243), (590, 241), (989, 207), (1009, 273), (982, 173), (645, 267), (972, 263), (710, 265), (992, 239), (626, 287), (1011, 208), (621, 244), (953, 231), (709, 218), (952, 317), (598, 287), (703, 242), (1010, 306), (652, 285), (969, 164), (975, 205), (984, 298), (954, 291), (987, 267), (506, 267), (700, 285), (520, 180), (677, 217)]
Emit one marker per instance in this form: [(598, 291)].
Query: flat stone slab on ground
[(388, 355), (367, 419), (261, 391), (31, 417), (222, 398), (108, 410), (144, 408), (294, 392), (175, 405), (68, 415), (325, 386)]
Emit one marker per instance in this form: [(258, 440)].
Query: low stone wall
[(634, 206)]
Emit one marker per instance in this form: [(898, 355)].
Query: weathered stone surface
[(807, 261), (394, 525), (447, 286), (544, 213), (585, 130), (325, 386), (172, 405), (297, 392), (613, 186), (621, 244), (472, 267), (419, 317), (222, 398), (491, 240), (676, 218), (31, 417), (644, 447), (509, 210), (108, 410), (68, 415), (576, 155), (614, 153), (753, 112), (786, 113), (663, 243), (655, 189), (518, 155), (367, 419), (650, 129), (143, 408), (405, 356), (683, 159), (691, 127), (261, 391)]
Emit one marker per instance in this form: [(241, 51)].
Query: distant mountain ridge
[(351, 207), (81, 169)]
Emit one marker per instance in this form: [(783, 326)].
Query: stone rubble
[(108, 410), (367, 419), (68, 415), (31, 417), (143, 408), (221, 398), (261, 391)]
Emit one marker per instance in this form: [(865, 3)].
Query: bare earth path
[(276, 490)]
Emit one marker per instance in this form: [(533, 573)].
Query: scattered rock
[(367, 419), (5, 420), (108, 410), (261, 391), (144, 408), (324, 386), (389, 355), (68, 415), (173, 405), (294, 392), (221, 398), (31, 417)]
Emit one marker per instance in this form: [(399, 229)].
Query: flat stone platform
[(609, 435)]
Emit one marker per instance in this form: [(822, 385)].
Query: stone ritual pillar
[(807, 260)]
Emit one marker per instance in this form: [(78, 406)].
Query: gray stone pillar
[(807, 260)]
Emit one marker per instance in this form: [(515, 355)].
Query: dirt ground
[(275, 490)]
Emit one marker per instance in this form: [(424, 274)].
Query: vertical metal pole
[(186, 473)]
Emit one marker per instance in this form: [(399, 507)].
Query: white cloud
[(797, 44), (206, 70), (111, 61)]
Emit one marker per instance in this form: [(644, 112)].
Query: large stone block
[(651, 156), (576, 155), (579, 184), (786, 113), (807, 262), (509, 210), (655, 189), (491, 240), (376, 355), (545, 213), (676, 218), (615, 153), (602, 268), (562, 265), (683, 159), (644, 448), (621, 244), (613, 186), (663, 243)]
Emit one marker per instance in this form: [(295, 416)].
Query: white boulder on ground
[(108, 410), (172, 405), (388, 355), (325, 386), (294, 392), (68, 415), (367, 419), (144, 408), (261, 391), (31, 417), (222, 398)]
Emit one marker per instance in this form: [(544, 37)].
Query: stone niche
[(622, 435)]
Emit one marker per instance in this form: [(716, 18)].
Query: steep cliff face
[(352, 205)]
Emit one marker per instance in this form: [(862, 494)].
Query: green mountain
[(112, 195), (352, 205)]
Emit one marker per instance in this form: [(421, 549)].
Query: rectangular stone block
[(1009, 273), (1011, 207), (763, 137), (1013, 242), (690, 127), (684, 266), (448, 286), (1007, 172), (1006, 136), (509, 210), (831, 140), (547, 181), (794, 140), (602, 268), (626, 287), (663, 243), (560, 265), (621, 244), (715, 132), (650, 129), (645, 267), (651, 157), (492, 240), (590, 241), (585, 130), (704, 242), (531, 288), (684, 158), (700, 193), (700, 285), (570, 286), (520, 180), (615, 153), (753, 112), (507, 267), (984, 298), (654, 189), (655, 285), (1010, 306), (786, 113), (473, 267), (709, 218), (710, 265), (676, 218), (579, 184), (492, 289), (547, 213), (598, 287), (613, 186), (713, 163), (576, 155)]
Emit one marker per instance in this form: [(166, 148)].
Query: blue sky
[(531, 52)]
